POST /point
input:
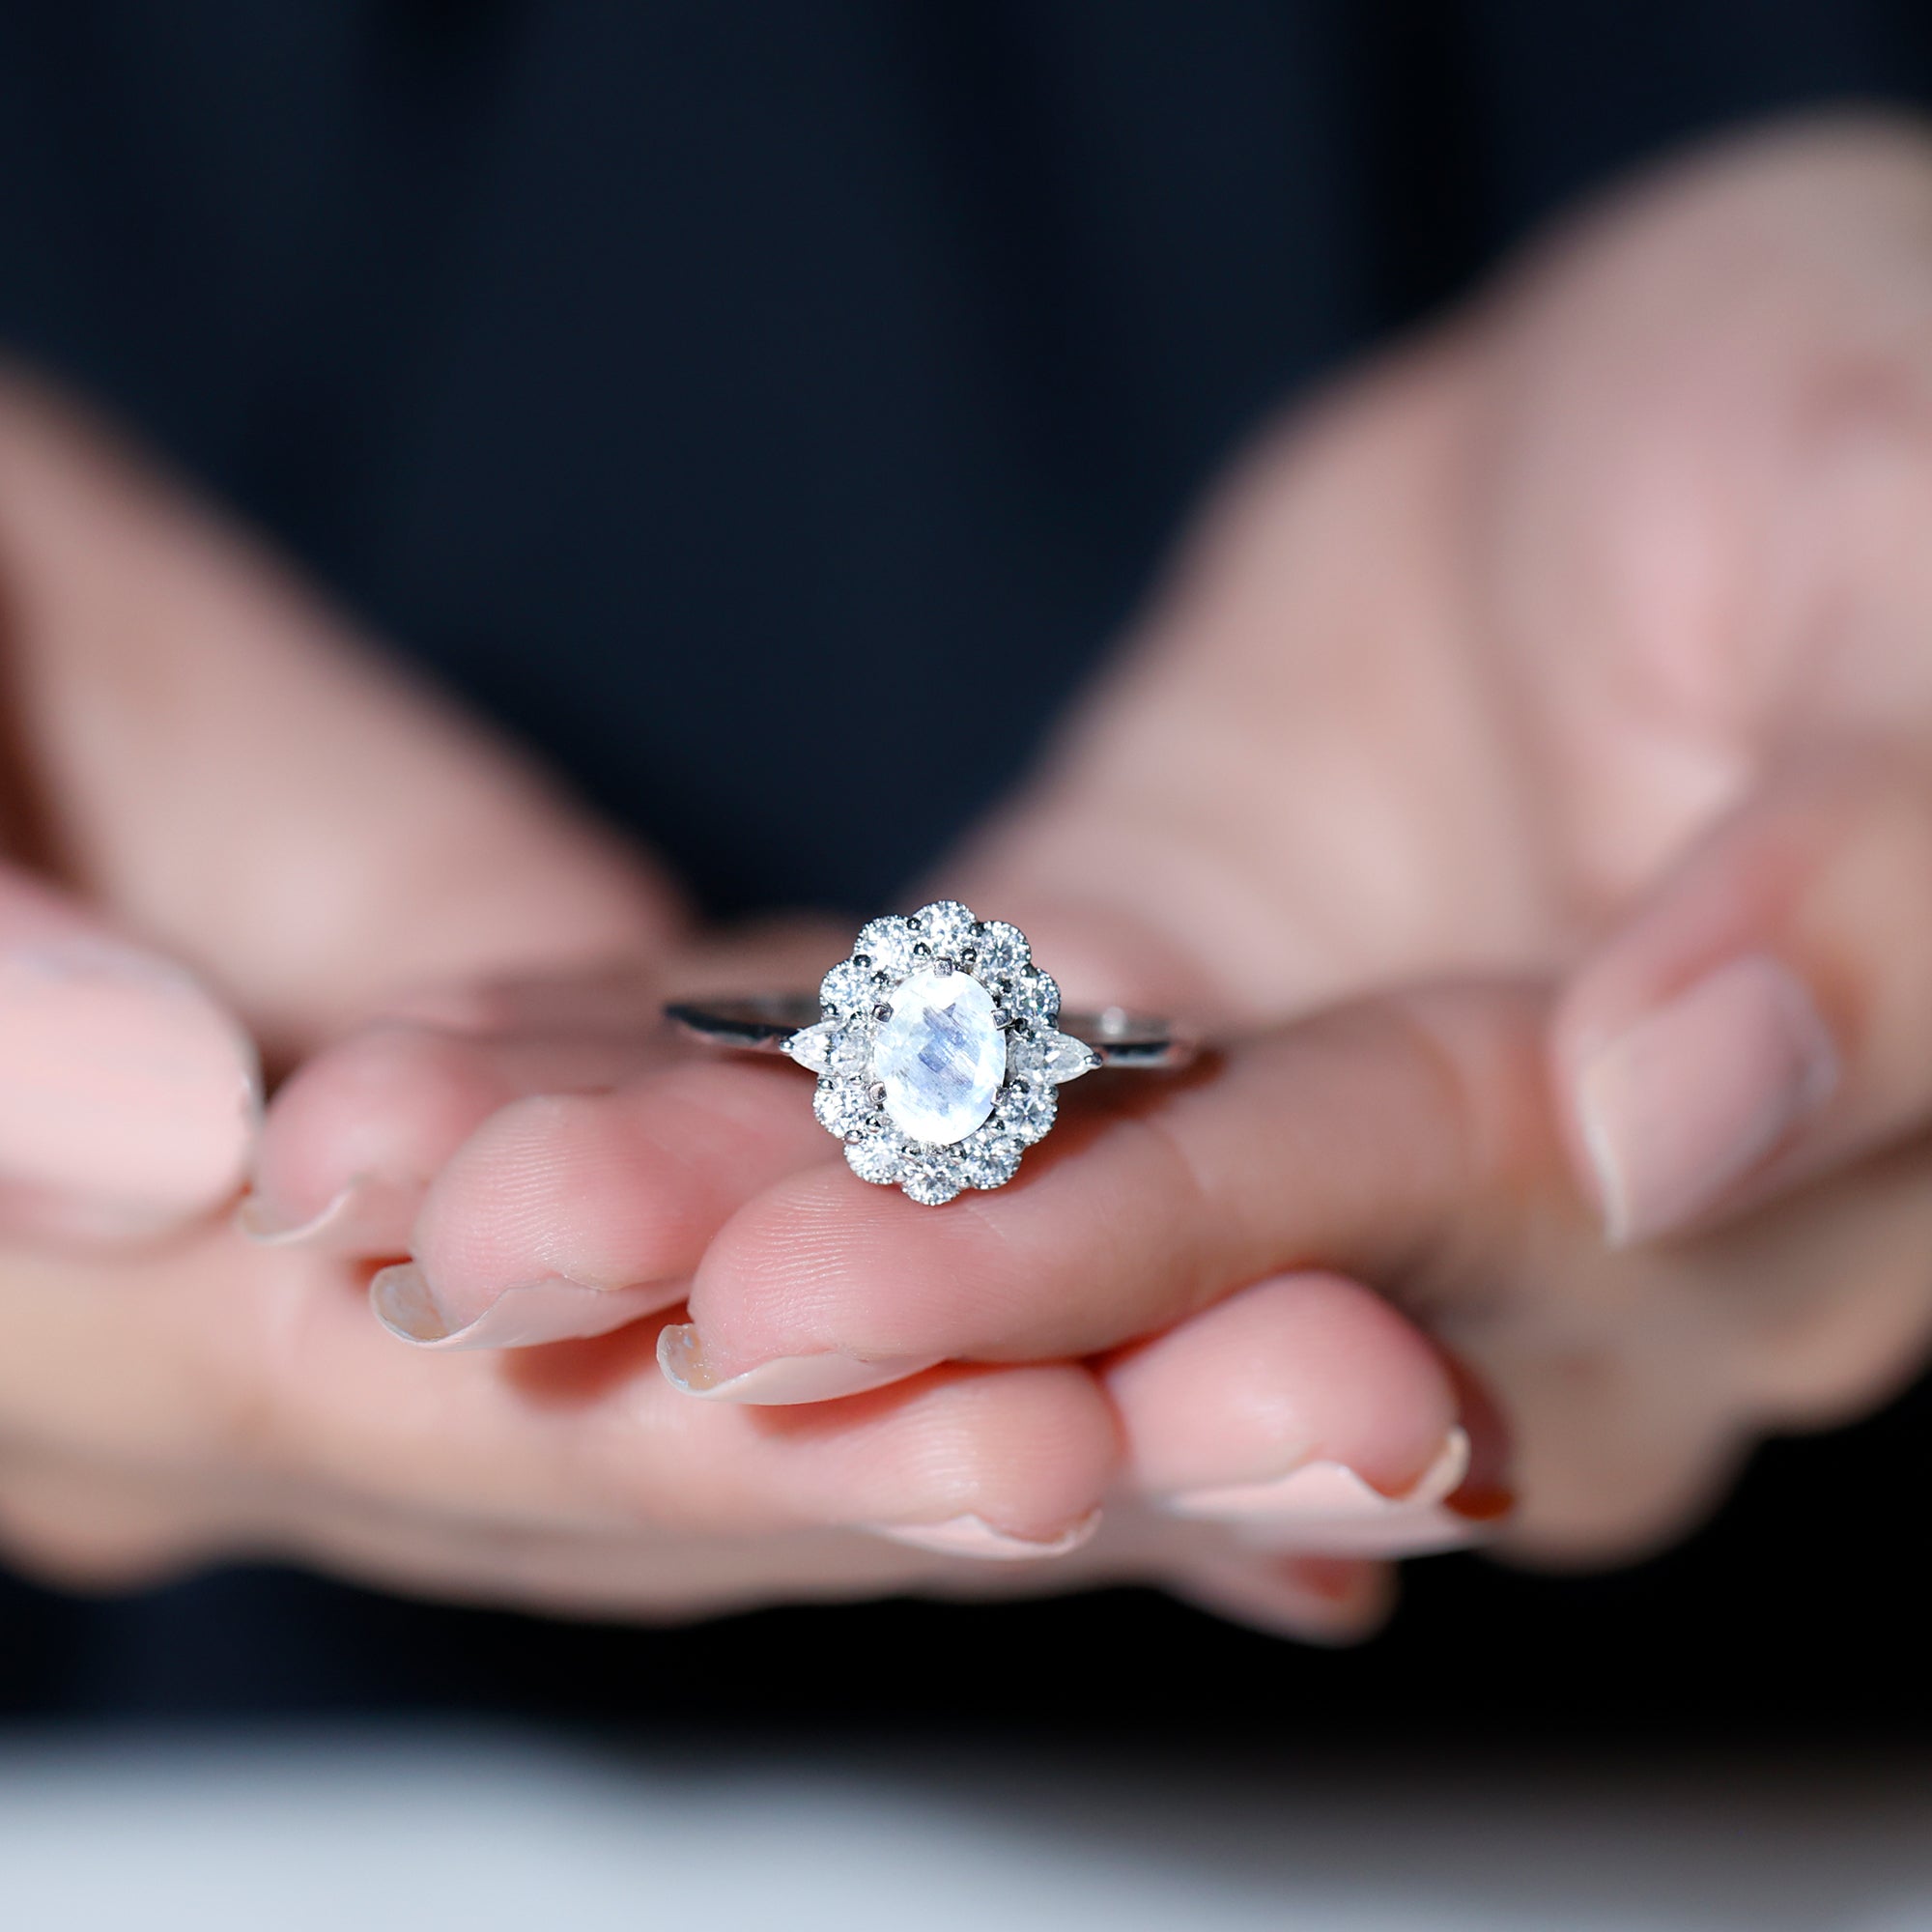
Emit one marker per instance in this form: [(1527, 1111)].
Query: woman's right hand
[(1583, 640)]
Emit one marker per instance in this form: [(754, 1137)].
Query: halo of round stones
[(938, 1056)]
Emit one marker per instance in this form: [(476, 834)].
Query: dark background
[(691, 383)]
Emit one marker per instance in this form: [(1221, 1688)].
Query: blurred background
[(695, 343)]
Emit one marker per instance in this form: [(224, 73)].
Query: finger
[(1364, 1139), (630, 1576), (355, 1138), (994, 1465), (1635, 1393), (1766, 1014), (1859, 1336), (1325, 1600), (1307, 1414), (571, 1214), (78, 1527), (311, 824), (83, 1529), (267, 1370), (128, 1093), (353, 1141)]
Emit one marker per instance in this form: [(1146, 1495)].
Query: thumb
[(223, 765), (1765, 1014), (128, 1093)]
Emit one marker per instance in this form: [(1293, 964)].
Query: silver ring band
[(940, 1049), (765, 1023)]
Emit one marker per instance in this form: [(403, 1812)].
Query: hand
[(1585, 638), (223, 775), (211, 772), (1580, 640)]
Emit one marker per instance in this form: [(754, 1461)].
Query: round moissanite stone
[(940, 1056)]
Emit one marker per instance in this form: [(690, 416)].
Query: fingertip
[(1682, 1102), (131, 1096), (354, 1136), (1012, 1463), (987, 1464), (555, 1184), (819, 1264), (616, 1190), (1757, 1018), (1302, 1369)]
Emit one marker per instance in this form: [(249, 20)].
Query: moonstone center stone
[(940, 1056)]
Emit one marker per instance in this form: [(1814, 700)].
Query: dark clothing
[(689, 385)]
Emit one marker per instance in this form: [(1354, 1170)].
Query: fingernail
[(975, 1537), (1325, 1505), (1694, 1095), (784, 1379), (129, 1098), (524, 1316), (369, 1216)]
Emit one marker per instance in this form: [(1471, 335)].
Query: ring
[(940, 1049)]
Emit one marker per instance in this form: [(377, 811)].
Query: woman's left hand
[(228, 821)]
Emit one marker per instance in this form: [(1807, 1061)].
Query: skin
[(1560, 661)]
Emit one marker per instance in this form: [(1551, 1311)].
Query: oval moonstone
[(940, 1056)]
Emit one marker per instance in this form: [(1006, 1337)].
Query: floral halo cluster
[(899, 1044)]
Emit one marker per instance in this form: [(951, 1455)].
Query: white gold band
[(940, 1048)]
